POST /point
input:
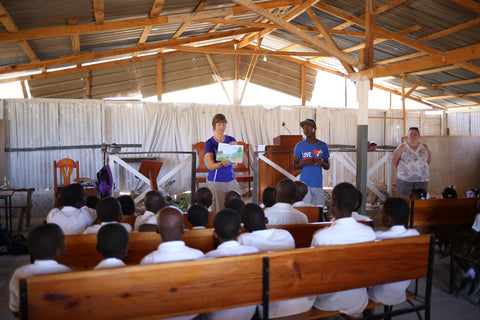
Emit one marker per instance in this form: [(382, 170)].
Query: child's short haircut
[(45, 240), (128, 205), (235, 204), (112, 241), (397, 209), (253, 217), (301, 190), (198, 215), (204, 196), (227, 224), (108, 209), (345, 195), (449, 192), (154, 201), (268, 196), (73, 195), (92, 202)]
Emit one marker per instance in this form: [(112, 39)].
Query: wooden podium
[(283, 156)]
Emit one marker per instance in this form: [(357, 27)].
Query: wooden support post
[(404, 113), (159, 79), (303, 84), (217, 76), (24, 89), (87, 85)]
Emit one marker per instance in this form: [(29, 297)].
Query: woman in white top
[(411, 159)]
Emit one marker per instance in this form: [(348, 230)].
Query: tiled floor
[(444, 306)]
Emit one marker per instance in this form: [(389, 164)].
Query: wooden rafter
[(99, 11), (74, 38), (185, 25), (217, 75), (469, 4), (136, 23), (116, 52), (432, 61), (290, 15), (246, 51), (451, 30), (456, 83), (154, 13), (290, 28), (321, 28), (10, 25)]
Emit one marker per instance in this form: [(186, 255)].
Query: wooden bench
[(81, 252), (181, 288), (434, 212), (314, 214)]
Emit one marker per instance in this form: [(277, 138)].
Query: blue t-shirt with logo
[(224, 174), (311, 175)]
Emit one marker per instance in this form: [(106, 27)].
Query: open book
[(230, 152)]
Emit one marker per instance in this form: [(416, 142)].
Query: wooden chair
[(66, 167), (202, 168), (243, 168)]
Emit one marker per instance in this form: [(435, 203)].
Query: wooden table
[(7, 196)]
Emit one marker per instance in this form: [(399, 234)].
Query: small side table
[(7, 196)]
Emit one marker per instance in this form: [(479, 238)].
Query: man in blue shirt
[(311, 156)]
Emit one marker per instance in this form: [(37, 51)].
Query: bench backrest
[(81, 252), (314, 214), (302, 233), (442, 212), (172, 289)]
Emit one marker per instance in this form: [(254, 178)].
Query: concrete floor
[(443, 307)]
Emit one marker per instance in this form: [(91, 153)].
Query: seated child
[(112, 244), (265, 240), (449, 192), (171, 229), (108, 211), (301, 190), (154, 201), (227, 227), (235, 204), (128, 205), (394, 216), (198, 216), (203, 196), (268, 197), (46, 244), (355, 214), (74, 216), (345, 230), (232, 194), (91, 202)]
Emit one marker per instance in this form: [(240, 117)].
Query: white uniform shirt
[(392, 293), (38, 267), (231, 248), (148, 217), (282, 213), (343, 231), (268, 240), (72, 220), (476, 223), (96, 227), (277, 240), (110, 263), (302, 204), (172, 251)]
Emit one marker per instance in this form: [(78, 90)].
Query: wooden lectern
[(283, 157)]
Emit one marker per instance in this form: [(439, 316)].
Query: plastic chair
[(66, 167)]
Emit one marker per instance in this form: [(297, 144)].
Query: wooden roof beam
[(156, 8), (154, 13), (433, 61), (469, 4), (456, 83), (451, 30), (246, 51), (136, 23), (303, 35), (122, 51), (98, 10), (10, 25), (217, 76), (290, 15), (185, 25), (321, 28)]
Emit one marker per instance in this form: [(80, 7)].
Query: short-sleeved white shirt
[(110, 263), (172, 251), (96, 227), (148, 217), (72, 220), (282, 213)]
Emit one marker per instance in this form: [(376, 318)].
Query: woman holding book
[(220, 179)]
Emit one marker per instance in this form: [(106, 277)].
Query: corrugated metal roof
[(430, 16)]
